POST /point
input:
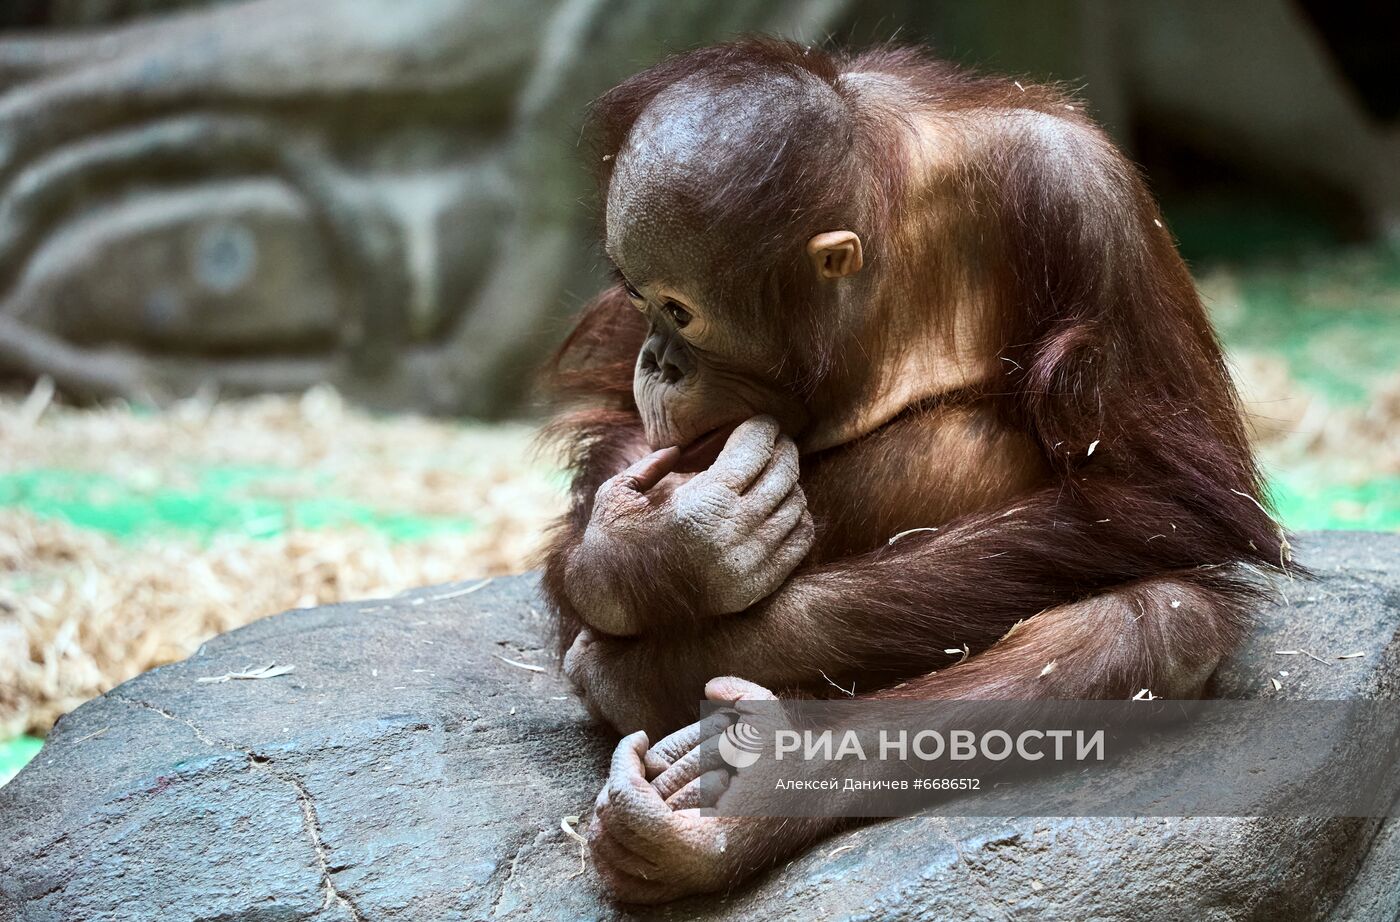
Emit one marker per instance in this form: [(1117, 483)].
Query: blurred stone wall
[(388, 195), (263, 195)]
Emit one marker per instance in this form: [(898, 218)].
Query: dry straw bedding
[(81, 611)]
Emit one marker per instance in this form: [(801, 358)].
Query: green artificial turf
[(1304, 503), (1334, 318), (242, 501), (16, 753)]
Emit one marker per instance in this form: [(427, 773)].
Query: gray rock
[(407, 770)]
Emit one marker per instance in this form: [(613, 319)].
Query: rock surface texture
[(410, 767)]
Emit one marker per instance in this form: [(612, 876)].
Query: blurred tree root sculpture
[(269, 194)]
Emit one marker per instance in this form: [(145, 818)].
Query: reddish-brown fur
[(1099, 339)]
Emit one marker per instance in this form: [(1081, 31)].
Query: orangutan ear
[(835, 254)]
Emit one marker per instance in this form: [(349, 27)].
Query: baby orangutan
[(896, 358)]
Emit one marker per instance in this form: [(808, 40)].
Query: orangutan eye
[(680, 315), (632, 293)]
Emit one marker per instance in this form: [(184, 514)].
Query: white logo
[(740, 745)]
